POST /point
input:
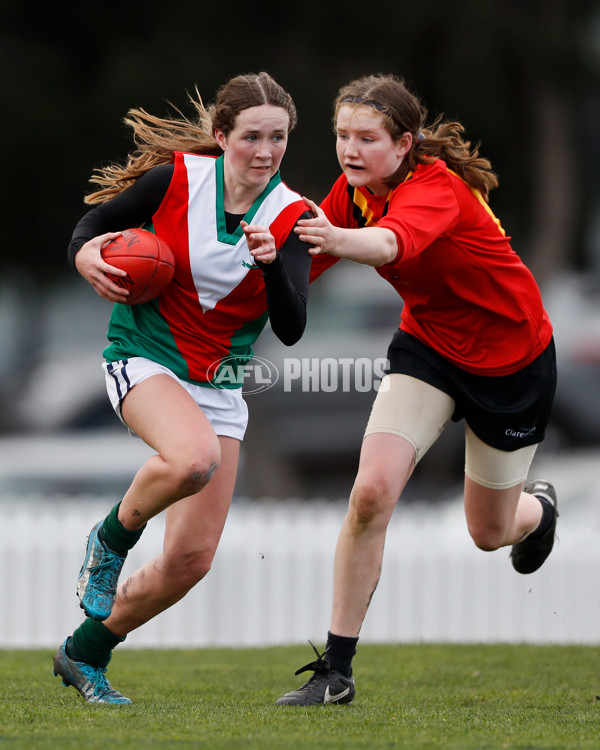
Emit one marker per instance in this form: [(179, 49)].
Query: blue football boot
[(98, 577), (90, 681)]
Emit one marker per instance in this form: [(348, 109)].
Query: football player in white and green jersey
[(211, 189)]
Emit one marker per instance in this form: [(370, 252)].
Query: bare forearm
[(371, 245)]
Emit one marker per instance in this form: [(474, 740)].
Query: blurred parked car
[(305, 432), (310, 439), (573, 302), (308, 427)]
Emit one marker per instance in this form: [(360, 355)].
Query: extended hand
[(318, 232)]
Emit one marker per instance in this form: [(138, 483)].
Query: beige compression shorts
[(418, 412)]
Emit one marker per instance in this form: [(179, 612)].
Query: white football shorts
[(225, 408)]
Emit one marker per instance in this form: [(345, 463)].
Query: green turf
[(408, 696)]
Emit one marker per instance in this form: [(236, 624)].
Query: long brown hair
[(402, 112), (157, 138)]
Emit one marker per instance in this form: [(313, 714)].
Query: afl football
[(148, 261)]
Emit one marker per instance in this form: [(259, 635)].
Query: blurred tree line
[(522, 76)]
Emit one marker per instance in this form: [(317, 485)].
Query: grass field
[(408, 696)]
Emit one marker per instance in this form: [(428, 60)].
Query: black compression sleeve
[(286, 279), (131, 208), (286, 282)]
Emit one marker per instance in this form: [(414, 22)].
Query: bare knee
[(372, 501), (489, 537), (191, 473), (185, 568)]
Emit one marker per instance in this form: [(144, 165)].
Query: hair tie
[(368, 102), (420, 137)]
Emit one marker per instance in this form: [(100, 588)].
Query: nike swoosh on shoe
[(328, 698)]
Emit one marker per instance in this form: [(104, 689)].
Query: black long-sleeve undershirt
[(286, 278)]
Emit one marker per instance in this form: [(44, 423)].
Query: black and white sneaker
[(529, 555), (325, 686)]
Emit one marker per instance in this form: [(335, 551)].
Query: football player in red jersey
[(474, 343)]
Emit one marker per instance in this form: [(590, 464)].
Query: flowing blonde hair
[(157, 138)]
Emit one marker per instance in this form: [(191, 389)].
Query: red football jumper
[(466, 293)]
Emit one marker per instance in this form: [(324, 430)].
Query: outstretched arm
[(373, 246)]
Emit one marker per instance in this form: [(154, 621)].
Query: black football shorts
[(507, 412)]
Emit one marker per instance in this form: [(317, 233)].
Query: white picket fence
[(272, 576)]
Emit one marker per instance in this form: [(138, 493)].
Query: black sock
[(548, 513), (339, 652), (116, 536)]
